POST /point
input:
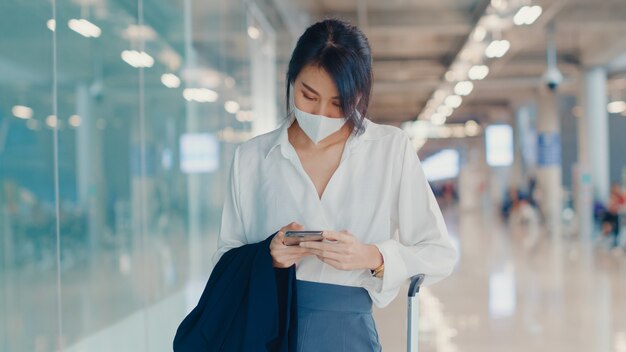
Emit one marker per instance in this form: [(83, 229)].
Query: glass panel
[(152, 100), (98, 100), (28, 290)]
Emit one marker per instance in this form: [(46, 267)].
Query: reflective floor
[(515, 289), (103, 297)]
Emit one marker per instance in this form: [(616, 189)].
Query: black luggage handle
[(416, 282)]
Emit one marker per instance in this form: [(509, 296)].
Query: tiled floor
[(518, 291)]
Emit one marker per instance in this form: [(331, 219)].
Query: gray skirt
[(335, 318)]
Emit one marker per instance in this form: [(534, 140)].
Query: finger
[(304, 255), (298, 251), (286, 227), (327, 255), (289, 260), (278, 239), (293, 258), (337, 236), (295, 226), (334, 263), (330, 247), (290, 250)]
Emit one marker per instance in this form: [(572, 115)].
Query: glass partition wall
[(118, 120)]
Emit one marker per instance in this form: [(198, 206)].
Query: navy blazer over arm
[(247, 305)]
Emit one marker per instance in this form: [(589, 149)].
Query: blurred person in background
[(611, 215)]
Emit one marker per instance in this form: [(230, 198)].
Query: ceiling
[(415, 41)]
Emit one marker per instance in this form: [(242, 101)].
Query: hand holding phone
[(293, 238)]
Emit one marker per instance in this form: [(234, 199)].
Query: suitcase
[(412, 334)]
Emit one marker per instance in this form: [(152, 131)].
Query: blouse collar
[(281, 138)]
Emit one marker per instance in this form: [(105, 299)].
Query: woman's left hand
[(345, 252)]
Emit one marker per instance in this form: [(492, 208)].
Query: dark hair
[(343, 51)]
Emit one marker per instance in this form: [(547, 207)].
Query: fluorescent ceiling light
[(52, 121), (23, 112), (137, 59), (453, 101), (478, 72), (497, 48), (463, 88), (84, 28), (479, 34), (445, 110), (438, 119), (527, 15), (52, 25), (170, 80), (616, 107), (472, 128), (231, 106), (254, 32), (75, 120), (200, 95)]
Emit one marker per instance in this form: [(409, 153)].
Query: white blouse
[(378, 193)]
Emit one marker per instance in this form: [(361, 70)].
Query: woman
[(328, 167)]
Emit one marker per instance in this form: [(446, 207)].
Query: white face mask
[(317, 127)]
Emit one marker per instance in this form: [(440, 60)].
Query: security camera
[(552, 78)]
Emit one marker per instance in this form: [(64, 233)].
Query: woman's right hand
[(285, 256)]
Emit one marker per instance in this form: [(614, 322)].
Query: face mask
[(317, 127)]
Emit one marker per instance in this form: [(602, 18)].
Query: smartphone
[(293, 238)]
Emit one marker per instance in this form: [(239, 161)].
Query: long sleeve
[(423, 244), (232, 233)]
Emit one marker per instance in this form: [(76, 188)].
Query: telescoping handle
[(412, 333)]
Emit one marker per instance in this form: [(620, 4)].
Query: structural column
[(525, 151), (549, 161), (591, 172), (526, 122), (595, 124)]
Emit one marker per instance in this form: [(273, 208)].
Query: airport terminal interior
[(119, 120)]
